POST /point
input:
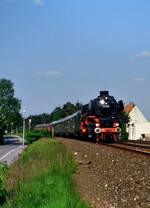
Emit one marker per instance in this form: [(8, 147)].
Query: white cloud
[(38, 1), (141, 54), (48, 73), (139, 79)]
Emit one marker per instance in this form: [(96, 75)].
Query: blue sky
[(56, 51)]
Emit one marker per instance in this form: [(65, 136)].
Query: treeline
[(11, 119), (58, 113)]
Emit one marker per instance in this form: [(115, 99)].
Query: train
[(99, 120)]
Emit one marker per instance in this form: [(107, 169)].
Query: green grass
[(3, 168), (42, 178)]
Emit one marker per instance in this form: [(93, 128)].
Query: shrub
[(124, 120), (3, 168), (33, 135)]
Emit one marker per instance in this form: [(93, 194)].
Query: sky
[(55, 51)]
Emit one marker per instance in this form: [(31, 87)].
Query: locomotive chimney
[(104, 93)]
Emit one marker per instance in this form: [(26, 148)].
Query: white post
[(30, 124), (52, 132), (24, 111)]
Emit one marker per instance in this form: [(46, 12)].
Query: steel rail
[(128, 149), (124, 147), (136, 141), (135, 145)]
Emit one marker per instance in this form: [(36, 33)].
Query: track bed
[(110, 178)]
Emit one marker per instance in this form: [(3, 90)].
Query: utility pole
[(24, 111)]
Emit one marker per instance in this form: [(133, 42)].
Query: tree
[(78, 106), (9, 107), (70, 108), (57, 114), (39, 119), (124, 120)]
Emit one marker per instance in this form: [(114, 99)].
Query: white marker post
[(30, 124), (24, 111), (53, 132)]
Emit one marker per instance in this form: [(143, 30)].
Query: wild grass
[(3, 168), (42, 178)]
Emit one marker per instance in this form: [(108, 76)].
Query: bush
[(33, 135), (124, 133), (3, 168), (124, 120)]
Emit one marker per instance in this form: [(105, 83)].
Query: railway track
[(136, 142), (132, 147)]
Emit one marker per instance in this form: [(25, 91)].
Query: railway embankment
[(110, 178), (42, 178)]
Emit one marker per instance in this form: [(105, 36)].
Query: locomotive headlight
[(117, 124), (97, 130), (97, 124), (118, 129)]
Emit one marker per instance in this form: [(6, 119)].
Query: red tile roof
[(128, 108)]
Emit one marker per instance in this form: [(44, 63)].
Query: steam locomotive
[(99, 120)]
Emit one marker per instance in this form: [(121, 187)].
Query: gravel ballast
[(110, 178)]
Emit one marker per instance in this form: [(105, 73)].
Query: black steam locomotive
[(98, 120), (102, 117)]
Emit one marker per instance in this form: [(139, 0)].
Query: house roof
[(128, 108)]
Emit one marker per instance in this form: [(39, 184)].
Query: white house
[(138, 126)]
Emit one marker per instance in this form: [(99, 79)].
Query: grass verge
[(3, 168), (42, 178)]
